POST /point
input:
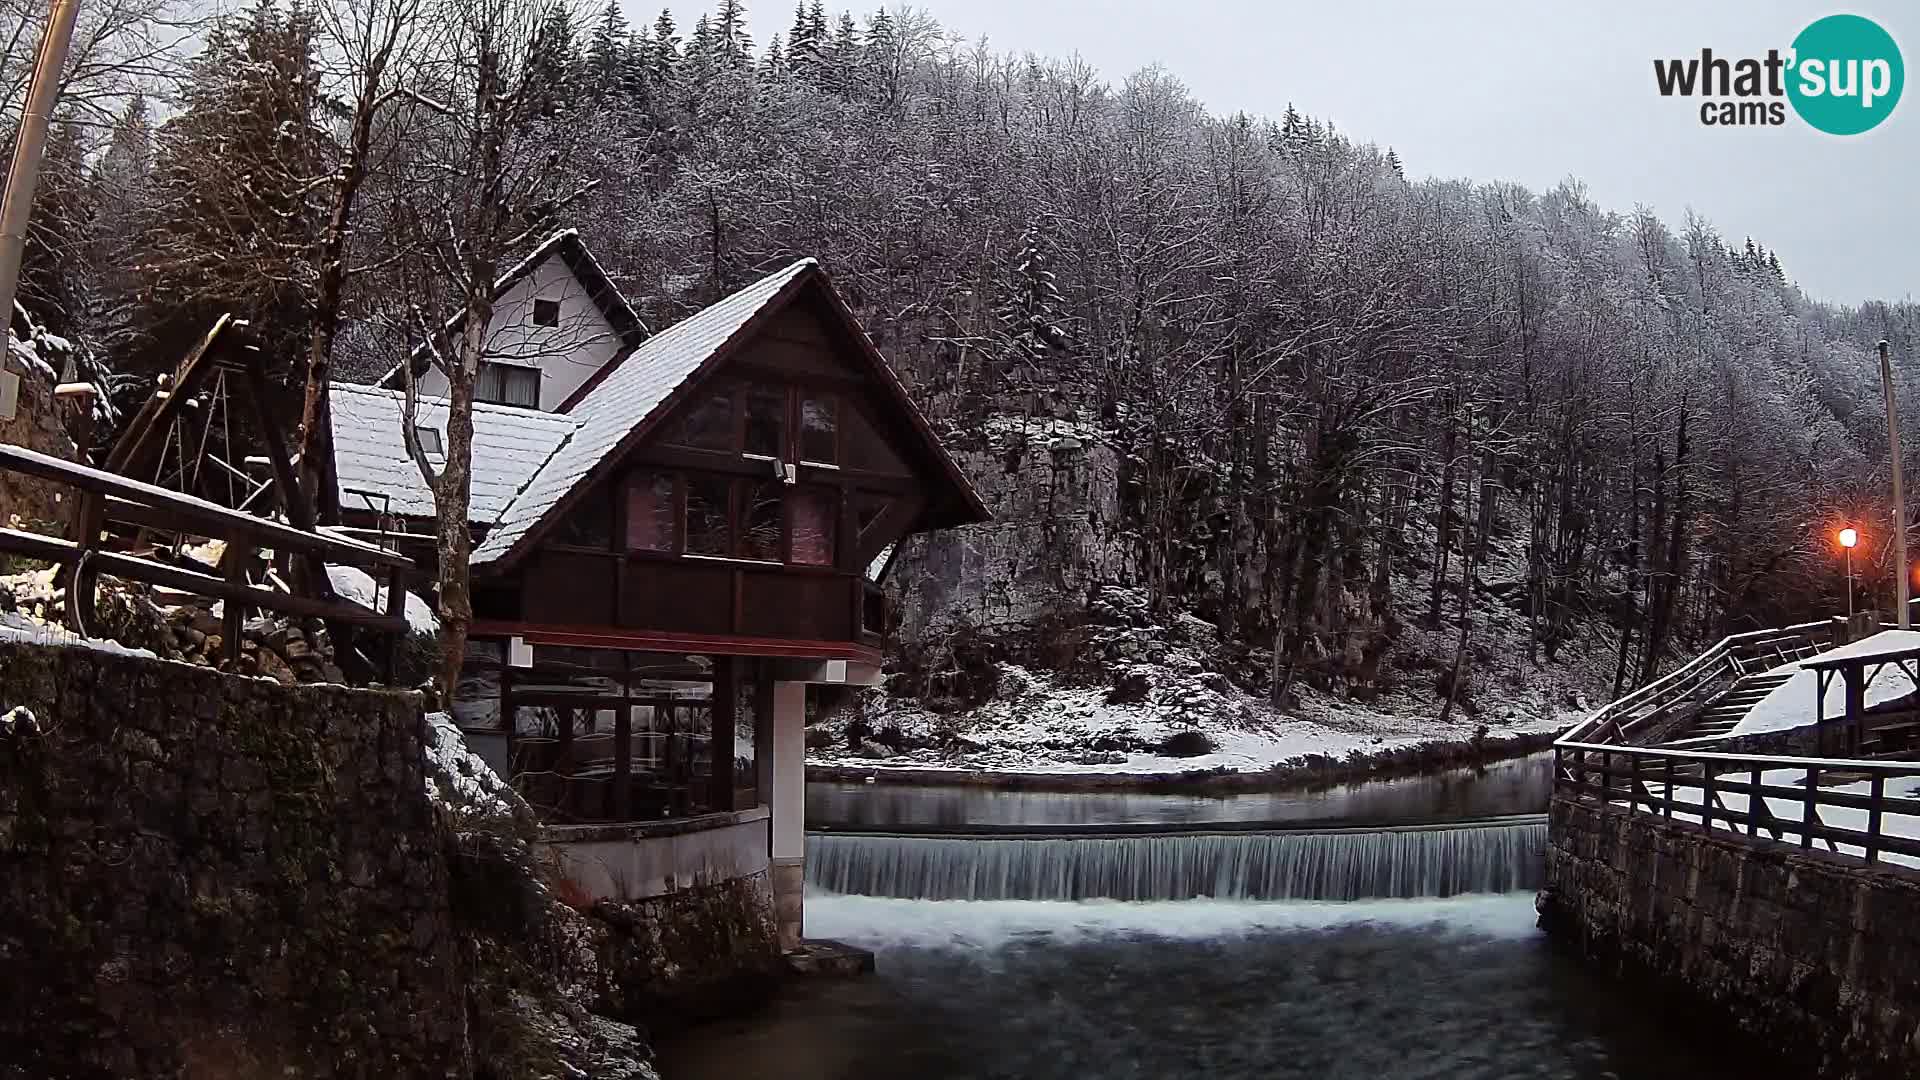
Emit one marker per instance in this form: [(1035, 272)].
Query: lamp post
[(1848, 538)]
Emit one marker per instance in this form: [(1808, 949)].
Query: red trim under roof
[(608, 637)]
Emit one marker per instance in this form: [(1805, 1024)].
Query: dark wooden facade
[(745, 524)]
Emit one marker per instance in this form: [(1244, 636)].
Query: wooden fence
[(1847, 806)]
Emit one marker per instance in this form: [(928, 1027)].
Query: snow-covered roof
[(370, 453), (626, 397)]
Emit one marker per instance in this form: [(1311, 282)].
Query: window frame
[(543, 305), (521, 370), (438, 446)]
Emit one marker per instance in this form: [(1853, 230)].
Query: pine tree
[(238, 216), (698, 66), (1034, 309), (636, 79), (606, 49), (877, 60), (803, 48), (776, 59), (842, 56), (52, 266), (121, 196), (732, 45), (553, 63), (664, 58), (1393, 163)]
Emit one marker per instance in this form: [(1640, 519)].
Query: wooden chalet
[(671, 547)]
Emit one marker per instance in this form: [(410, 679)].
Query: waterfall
[(1346, 864)]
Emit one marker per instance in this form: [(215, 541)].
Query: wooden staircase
[(1725, 710)]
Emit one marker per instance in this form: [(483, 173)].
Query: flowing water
[(1208, 950), (1347, 864)]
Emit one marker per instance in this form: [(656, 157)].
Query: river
[(1455, 984)]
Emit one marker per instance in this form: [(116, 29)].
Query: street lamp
[(1848, 538)]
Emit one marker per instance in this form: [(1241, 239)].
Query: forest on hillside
[(1325, 386)]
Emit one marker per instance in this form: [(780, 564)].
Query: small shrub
[(572, 893), (1186, 744), (1129, 688), (858, 731), (892, 738), (819, 738)]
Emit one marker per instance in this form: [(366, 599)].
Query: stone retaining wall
[(207, 875), (1815, 957)]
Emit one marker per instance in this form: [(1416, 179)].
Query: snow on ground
[(1039, 722), (1036, 725), (17, 627), (457, 777), (355, 584), (1791, 704)]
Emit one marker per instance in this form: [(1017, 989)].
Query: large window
[(707, 423), (760, 420), (762, 525), (766, 429), (820, 429), (652, 516), (814, 512), (700, 513), (709, 514), (507, 384)]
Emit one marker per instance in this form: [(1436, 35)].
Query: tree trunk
[(1445, 542), (318, 498)]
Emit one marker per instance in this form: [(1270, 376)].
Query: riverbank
[(1307, 771)]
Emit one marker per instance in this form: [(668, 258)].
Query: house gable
[(817, 341), (558, 322), (732, 481)]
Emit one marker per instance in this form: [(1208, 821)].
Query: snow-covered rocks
[(460, 781)]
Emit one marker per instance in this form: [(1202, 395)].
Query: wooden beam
[(54, 549), (607, 637), (261, 532), (135, 444), (720, 740), (286, 481)]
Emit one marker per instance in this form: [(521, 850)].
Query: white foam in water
[(883, 922), (1378, 864)]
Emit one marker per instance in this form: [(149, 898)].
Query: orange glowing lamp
[(1848, 537)]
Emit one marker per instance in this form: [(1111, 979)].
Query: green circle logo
[(1846, 76)]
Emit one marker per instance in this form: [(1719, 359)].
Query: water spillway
[(1243, 863)]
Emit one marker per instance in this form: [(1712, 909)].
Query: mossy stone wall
[(207, 875)]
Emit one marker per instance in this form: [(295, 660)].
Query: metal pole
[(1901, 569), (1849, 552), (24, 173)]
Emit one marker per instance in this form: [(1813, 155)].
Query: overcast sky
[(1525, 91)]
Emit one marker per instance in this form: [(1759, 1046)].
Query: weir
[(1438, 860)]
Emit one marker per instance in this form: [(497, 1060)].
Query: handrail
[(1593, 760), (1653, 691), (1765, 761), (1650, 781)]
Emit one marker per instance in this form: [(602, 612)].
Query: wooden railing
[(1844, 806), (1695, 681), (105, 497)]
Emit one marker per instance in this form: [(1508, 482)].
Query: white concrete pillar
[(787, 799)]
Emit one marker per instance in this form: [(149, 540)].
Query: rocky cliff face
[(1015, 621)]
